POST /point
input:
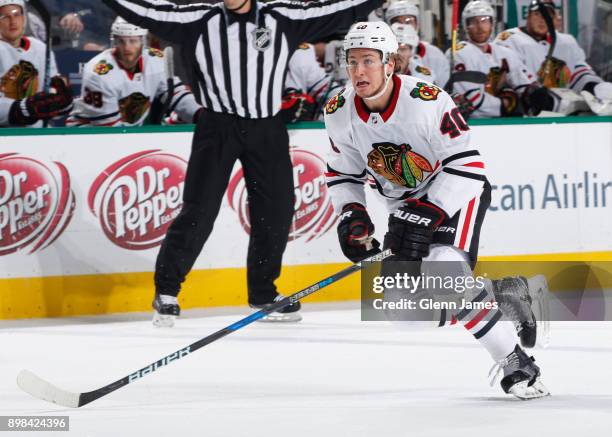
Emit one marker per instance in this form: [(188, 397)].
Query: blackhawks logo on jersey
[(335, 103), (425, 91), (133, 107), (399, 164), (103, 68), (21, 80), (156, 52), (423, 70), (504, 35)]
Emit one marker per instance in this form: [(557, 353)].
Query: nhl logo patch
[(262, 38)]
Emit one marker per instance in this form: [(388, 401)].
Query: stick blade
[(41, 389)]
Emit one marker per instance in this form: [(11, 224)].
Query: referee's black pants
[(262, 146)]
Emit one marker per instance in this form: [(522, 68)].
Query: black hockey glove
[(510, 103), (297, 106), (42, 105), (537, 99), (465, 106), (354, 229), (411, 229)]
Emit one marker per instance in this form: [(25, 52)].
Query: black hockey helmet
[(536, 4)]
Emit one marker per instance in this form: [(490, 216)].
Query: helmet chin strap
[(383, 90)]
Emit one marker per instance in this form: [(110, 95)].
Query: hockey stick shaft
[(453, 52), (548, 19), (169, 65), (41, 389), (46, 18)]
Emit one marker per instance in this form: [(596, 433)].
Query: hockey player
[(307, 86), (506, 77), (407, 140), (408, 62), (124, 85), (407, 12), (23, 99), (567, 68)]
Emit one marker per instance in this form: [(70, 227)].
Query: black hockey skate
[(289, 313), (521, 375), (166, 310), (523, 301)]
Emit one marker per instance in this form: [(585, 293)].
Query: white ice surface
[(330, 375)]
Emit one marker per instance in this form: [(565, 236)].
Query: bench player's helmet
[(120, 27), (535, 4), (401, 8), (477, 8)]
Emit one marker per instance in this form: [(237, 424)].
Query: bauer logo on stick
[(137, 198), (36, 203)]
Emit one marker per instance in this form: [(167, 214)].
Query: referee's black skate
[(166, 310), (521, 375), (290, 313), (523, 301)]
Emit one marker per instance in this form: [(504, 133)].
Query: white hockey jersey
[(492, 61), (420, 145), (416, 68), (22, 73), (112, 96), (304, 73), (433, 57), (575, 74), (335, 64)]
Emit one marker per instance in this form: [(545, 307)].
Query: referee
[(240, 50)]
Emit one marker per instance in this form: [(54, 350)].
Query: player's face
[(536, 24), (129, 49), (12, 23), (406, 19), (405, 53), (366, 71), (479, 29)]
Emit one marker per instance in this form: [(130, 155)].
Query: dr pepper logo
[(36, 203), (314, 214), (137, 197)]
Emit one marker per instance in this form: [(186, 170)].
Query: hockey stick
[(545, 13), (46, 18), (455, 26), (41, 389), (161, 108), (169, 64)]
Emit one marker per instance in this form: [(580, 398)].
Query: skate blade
[(538, 290), (163, 320), (526, 392), (282, 318)]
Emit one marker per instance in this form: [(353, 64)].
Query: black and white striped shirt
[(241, 59)]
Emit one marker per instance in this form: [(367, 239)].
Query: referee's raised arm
[(318, 19), (168, 20)]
